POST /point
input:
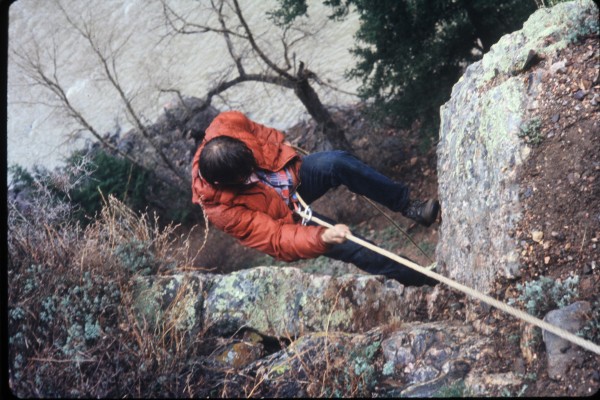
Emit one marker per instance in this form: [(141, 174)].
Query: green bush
[(89, 177), (591, 329), (136, 256), (546, 294), (531, 132), (110, 176), (72, 324), (455, 389)]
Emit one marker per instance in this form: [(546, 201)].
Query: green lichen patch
[(171, 302), (545, 32)]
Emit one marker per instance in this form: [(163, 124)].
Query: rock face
[(333, 324), (481, 145), (439, 354), (279, 302), (561, 354)]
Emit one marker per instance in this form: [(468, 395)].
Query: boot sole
[(430, 213)]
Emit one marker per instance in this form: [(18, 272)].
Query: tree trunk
[(309, 98), (481, 32)]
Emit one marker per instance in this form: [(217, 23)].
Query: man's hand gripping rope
[(334, 234)]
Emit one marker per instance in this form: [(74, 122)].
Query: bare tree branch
[(236, 59), (272, 73), (223, 86), (35, 71), (256, 48), (108, 63), (182, 25)]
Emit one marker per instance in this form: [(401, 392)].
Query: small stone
[(413, 161), (580, 94), (537, 236), (558, 67), (534, 105), (547, 260), (567, 246), (555, 118)]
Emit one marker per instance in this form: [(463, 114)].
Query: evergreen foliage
[(411, 52), (111, 175)]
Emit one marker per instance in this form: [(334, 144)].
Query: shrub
[(546, 294), (591, 328), (72, 327), (454, 389), (531, 132), (110, 176)]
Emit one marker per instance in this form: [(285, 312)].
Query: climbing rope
[(306, 213), (379, 209)]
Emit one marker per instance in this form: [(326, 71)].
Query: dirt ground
[(560, 196)]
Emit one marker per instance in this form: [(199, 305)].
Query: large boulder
[(275, 301), (482, 147)]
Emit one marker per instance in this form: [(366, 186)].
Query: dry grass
[(73, 328)]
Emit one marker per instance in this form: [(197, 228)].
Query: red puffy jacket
[(256, 215)]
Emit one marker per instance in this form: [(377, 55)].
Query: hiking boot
[(422, 211)]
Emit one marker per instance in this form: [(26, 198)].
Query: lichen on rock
[(482, 148)]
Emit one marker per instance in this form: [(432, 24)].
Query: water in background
[(40, 133)]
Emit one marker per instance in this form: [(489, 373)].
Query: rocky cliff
[(482, 145)]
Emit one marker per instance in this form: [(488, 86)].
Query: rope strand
[(562, 333)]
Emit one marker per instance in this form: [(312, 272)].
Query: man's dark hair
[(226, 161)]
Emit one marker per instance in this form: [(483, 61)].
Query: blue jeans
[(322, 171)]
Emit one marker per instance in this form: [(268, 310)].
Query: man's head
[(226, 161)]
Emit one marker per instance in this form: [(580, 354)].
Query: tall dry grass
[(73, 329)]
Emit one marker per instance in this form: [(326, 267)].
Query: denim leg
[(322, 171), (374, 263)]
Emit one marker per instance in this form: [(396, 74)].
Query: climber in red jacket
[(245, 176)]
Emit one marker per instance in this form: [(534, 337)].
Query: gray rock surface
[(480, 151), (562, 354), (441, 354), (276, 301)]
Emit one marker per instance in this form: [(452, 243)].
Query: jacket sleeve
[(284, 241)]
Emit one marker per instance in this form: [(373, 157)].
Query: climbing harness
[(307, 216), (307, 212)]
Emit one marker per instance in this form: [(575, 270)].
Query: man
[(245, 175)]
